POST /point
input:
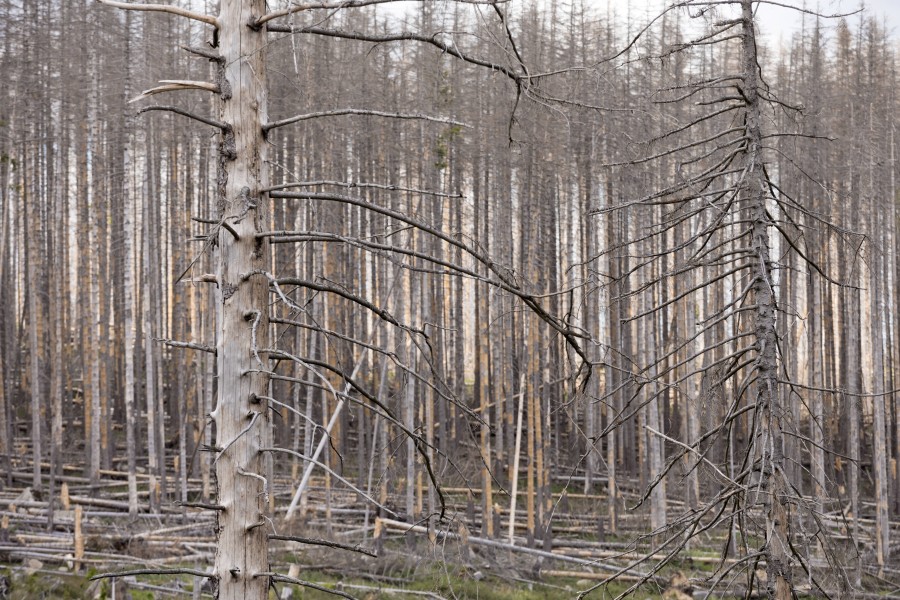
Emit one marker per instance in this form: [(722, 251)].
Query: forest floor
[(54, 553), (29, 583)]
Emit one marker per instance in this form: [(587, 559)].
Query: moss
[(44, 585)]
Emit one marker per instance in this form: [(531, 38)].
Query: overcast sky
[(775, 21), (780, 22)]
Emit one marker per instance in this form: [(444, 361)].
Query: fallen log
[(479, 541)]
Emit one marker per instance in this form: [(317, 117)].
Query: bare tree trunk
[(149, 371), (5, 268), (409, 421), (241, 417), (613, 377), (880, 449), (691, 404), (97, 387), (35, 325), (769, 409), (656, 461), (481, 389), (814, 373), (128, 198)]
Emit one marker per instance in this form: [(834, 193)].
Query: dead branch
[(193, 572), (173, 85), (180, 111), (317, 542), (187, 345), (173, 10), (359, 111), (447, 48), (361, 184), (338, 4), (307, 584)]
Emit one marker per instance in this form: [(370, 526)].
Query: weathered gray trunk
[(655, 446), (770, 412), (5, 267), (690, 407), (149, 377), (613, 378), (817, 409), (129, 275), (35, 332), (130, 441), (880, 446), (240, 417)]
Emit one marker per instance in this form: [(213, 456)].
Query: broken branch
[(173, 10)]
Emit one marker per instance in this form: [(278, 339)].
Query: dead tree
[(249, 293), (734, 225)]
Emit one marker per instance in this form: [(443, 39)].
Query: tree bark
[(128, 192), (768, 400), (880, 448), (242, 329)]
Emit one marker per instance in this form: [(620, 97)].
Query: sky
[(779, 22), (776, 22)]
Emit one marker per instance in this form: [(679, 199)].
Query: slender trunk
[(56, 406), (613, 377), (148, 332), (540, 390), (93, 225), (5, 267), (409, 421), (56, 301), (514, 468), (482, 405), (530, 430), (880, 449), (656, 460), (128, 317), (690, 418), (852, 330), (892, 275), (814, 373), (35, 334)]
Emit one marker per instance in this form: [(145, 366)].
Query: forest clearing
[(448, 299)]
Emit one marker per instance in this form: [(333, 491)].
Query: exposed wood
[(175, 10), (514, 475), (242, 552)]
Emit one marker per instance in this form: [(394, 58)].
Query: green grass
[(452, 584), (41, 585)]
